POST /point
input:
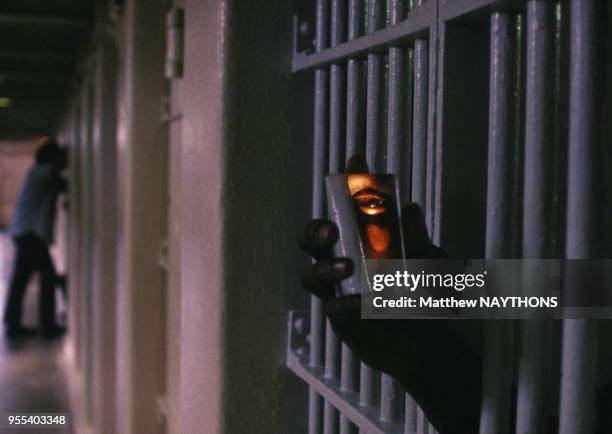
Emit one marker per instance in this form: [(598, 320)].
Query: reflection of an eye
[(370, 203)]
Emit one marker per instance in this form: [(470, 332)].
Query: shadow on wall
[(15, 160)]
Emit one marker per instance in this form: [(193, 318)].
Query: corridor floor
[(32, 377)]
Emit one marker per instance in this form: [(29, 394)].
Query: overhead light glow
[(5, 102)]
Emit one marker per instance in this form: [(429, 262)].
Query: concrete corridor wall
[(206, 357)]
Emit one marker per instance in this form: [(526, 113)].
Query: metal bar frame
[(579, 373), (497, 360), (338, 62), (321, 98), (535, 336)]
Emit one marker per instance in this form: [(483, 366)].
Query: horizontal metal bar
[(452, 9), (416, 24)]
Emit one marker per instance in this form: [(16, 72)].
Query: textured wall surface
[(104, 291), (245, 182), (263, 185), (201, 275), (143, 202)]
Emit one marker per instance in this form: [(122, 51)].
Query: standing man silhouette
[(32, 231)]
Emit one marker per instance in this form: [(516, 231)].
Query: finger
[(357, 164), (318, 238), (416, 240), (322, 277)]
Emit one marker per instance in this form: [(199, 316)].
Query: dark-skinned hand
[(428, 359)]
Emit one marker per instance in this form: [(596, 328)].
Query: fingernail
[(339, 267), (323, 231)]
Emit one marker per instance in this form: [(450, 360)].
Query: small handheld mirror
[(365, 207)]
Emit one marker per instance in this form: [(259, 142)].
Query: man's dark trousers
[(32, 256)]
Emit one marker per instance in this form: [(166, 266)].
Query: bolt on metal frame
[(388, 85)]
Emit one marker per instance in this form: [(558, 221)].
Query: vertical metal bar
[(374, 112), (354, 138), (561, 120), (373, 151), (397, 153), (419, 120), (422, 424), (347, 383), (501, 139), (319, 168), (539, 145), (497, 376), (535, 336), (336, 165), (366, 380), (579, 364), (410, 415), (418, 172), (391, 399), (497, 357), (585, 88), (580, 336), (423, 162), (337, 85), (418, 182), (397, 156), (433, 182), (354, 146)]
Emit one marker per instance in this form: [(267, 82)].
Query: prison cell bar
[(374, 97), (337, 85), (497, 357), (397, 156), (354, 146), (375, 19), (416, 23), (535, 335), (336, 165), (580, 336), (420, 93), (434, 131), (319, 169), (419, 120), (354, 109), (433, 66), (422, 424), (397, 129)]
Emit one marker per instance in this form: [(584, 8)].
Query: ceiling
[(40, 41)]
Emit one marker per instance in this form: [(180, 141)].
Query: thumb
[(416, 240)]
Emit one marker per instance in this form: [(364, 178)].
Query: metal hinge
[(161, 404), (303, 31), (175, 34), (163, 258)]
